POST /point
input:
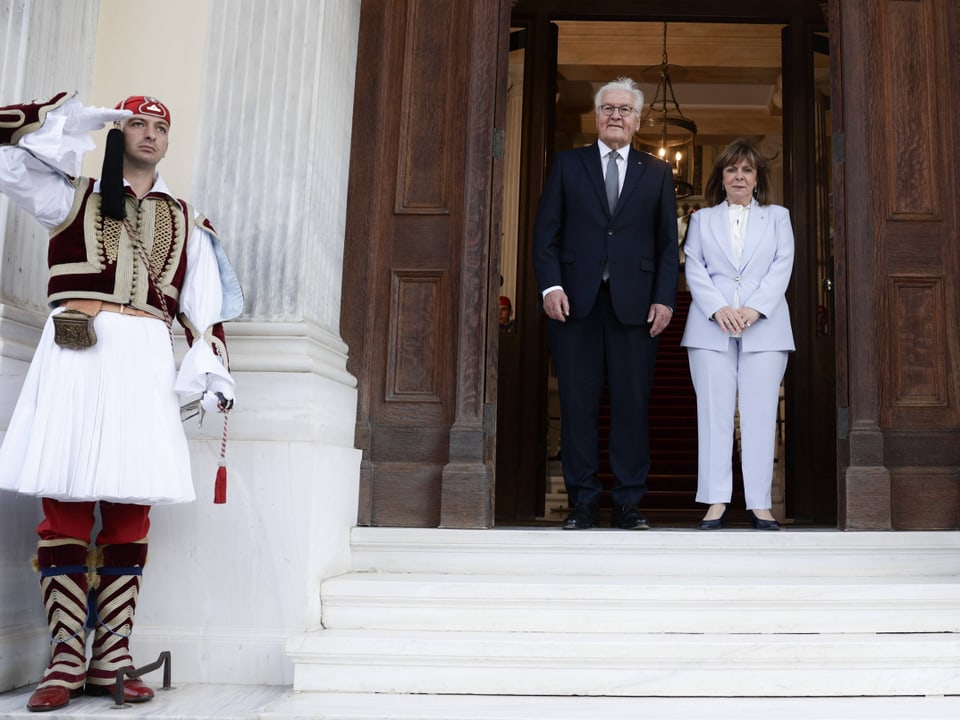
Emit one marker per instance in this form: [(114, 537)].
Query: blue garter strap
[(118, 571), (63, 570)]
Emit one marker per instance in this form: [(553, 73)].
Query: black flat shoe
[(715, 524), (760, 523), (582, 517)]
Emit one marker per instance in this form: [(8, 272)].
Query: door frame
[(812, 498)]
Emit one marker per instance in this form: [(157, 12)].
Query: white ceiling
[(725, 76)]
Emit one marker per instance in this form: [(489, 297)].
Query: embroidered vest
[(96, 257)]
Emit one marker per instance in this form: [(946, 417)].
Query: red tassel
[(220, 487)]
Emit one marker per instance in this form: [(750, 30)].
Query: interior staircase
[(539, 622), (672, 482)]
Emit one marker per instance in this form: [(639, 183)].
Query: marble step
[(643, 605), (657, 553), (626, 664), (543, 612), (447, 707), (235, 702)]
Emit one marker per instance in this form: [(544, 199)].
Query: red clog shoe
[(134, 691), (52, 697)]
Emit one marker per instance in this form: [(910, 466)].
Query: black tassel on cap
[(111, 179)]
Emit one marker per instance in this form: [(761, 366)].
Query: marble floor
[(230, 702), (922, 565), (233, 702)]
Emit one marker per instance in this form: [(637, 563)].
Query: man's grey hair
[(621, 83)]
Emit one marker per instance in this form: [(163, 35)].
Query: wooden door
[(810, 385), (419, 301), (522, 423), (898, 292), (420, 280), (810, 457)]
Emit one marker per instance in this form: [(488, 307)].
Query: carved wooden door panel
[(897, 186), (417, 303)]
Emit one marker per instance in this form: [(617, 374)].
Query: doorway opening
[(730, 79)]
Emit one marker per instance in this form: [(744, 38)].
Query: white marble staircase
[(619, 614), (528, 623)]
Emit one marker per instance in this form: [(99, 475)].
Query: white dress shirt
[(738, 214)]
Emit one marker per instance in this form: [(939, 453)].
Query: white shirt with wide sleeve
[(103, 423)]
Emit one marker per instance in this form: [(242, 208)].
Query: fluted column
[(271, 171), (45, 47), (274, 150)]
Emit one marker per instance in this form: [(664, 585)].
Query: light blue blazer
[(763, 275)]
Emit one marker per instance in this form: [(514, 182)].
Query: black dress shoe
[(760, 523), (716, 523), (627, 517), (582, 517)]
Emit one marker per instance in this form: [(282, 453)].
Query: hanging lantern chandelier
[(666, 133)]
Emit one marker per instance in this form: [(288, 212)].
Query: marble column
[(35, 38), (226, 585), (271, 172)]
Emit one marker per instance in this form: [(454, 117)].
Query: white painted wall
[(261, 104), (153, 49)]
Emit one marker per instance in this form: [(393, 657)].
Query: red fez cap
[(145, 105), (504, 300)]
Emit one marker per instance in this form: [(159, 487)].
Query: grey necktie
[(612, 180)]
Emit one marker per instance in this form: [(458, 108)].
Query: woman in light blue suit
[(739, 256)]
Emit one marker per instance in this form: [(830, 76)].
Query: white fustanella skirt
[(101, 423)]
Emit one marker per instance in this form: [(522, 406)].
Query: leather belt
[(126, 310), (92, 307)]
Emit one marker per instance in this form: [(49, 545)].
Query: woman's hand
[(748, 315), (735, 320), (729, 319)]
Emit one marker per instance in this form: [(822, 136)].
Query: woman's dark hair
[(737, 151)]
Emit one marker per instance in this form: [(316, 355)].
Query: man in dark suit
[(605, 256)]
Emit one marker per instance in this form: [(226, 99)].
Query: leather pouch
[(73, 329)]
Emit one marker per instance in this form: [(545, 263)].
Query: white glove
[(87, 119), (215, 402)]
